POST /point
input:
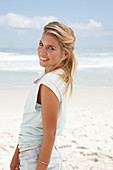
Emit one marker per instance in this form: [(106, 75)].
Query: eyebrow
[(48, 45)]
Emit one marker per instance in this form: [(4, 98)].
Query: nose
[(43, 51)]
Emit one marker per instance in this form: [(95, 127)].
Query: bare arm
[(50, 106), (15, 160)]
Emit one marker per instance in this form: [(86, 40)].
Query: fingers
[(18, 167), (14, 168)]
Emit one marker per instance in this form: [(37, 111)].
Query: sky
[(21, 22)]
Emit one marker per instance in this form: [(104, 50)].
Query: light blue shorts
[(28, 159)]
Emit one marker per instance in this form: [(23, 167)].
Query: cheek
[(38, 50), (59, 56)]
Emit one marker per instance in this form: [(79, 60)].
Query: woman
[(45, 107)]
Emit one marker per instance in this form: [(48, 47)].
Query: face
[(49, 51)]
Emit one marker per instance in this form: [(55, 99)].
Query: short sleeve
[(55, 83)]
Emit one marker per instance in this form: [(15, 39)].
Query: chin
[(42, 65)]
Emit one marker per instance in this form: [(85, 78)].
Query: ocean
[(20, 67)]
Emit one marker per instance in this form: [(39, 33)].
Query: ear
[(66, 54)]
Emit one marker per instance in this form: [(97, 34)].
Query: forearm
[(15, 160), (16, 151), (45, 151)]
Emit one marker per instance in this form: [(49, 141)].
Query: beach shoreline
[(87, 139)]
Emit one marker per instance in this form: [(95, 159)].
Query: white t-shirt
[(31, 133)]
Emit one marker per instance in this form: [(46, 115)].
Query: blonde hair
[(66, 38)]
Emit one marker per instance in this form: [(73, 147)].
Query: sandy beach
[(87, 140)]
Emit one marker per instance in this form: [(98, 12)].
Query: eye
[(51, 48), (40, 44)]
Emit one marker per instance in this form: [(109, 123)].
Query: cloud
[(22, 23), (90, 25), (12, 20), (93, 28)]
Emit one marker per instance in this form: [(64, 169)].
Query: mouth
[(43, 59)]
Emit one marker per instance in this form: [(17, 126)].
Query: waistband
[(26, 149), (38, 146)]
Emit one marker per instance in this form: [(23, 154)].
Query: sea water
[(20, 67), (95, 67)]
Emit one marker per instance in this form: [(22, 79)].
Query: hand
[(41, 166), (15, 163), (15, 160)]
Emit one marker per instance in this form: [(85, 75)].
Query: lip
[(43, 59)]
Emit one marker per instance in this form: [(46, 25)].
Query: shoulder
[(53, 81), (55, 78)]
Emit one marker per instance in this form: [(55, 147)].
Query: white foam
[(12, 61), (95, 62), (17, 57)]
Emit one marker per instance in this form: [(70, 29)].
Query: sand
[(87, 140)]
